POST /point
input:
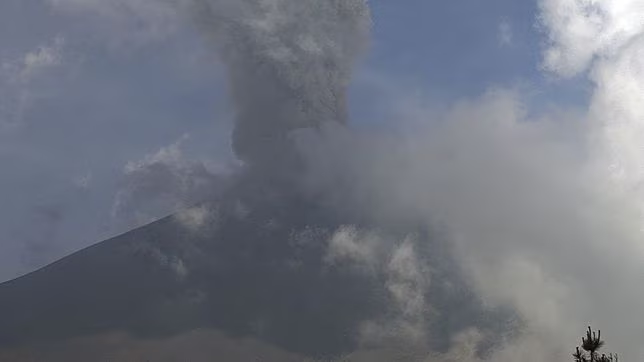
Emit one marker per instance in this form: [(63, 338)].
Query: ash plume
[(289, 63), (537, 209), (279, 263)]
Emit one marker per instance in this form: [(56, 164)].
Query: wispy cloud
[(163, 182), (505, 35), (19, 79)]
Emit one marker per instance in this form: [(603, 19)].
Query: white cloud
[(164, 182), (505, 34), (196, 218), (408, 281), (19, 79), (360, 248), (606, 37), (45, 57), (582, 31), (405, 280), (533, 225), (530, 282)]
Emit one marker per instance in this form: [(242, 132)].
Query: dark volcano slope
[(256, 268)]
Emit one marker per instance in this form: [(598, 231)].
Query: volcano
[(269, 270), (254, 277)]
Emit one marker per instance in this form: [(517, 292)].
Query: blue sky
[(456, 46)]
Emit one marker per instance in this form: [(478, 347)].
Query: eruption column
[(289, 64)]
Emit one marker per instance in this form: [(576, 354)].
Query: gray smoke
[(289, 64), (543, 211)]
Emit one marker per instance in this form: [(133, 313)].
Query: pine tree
[(590, 346)]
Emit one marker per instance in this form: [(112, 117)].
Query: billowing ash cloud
[(289, 64), (544, 216)]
